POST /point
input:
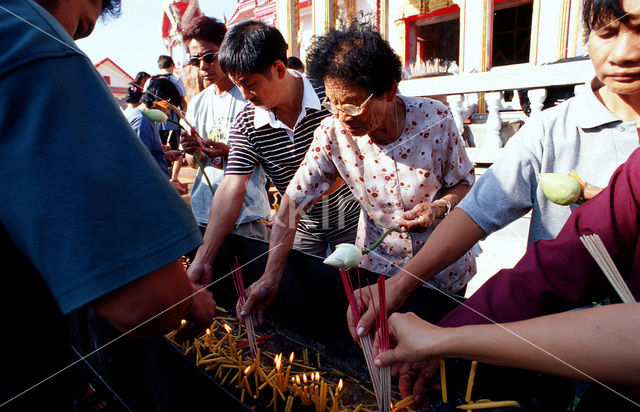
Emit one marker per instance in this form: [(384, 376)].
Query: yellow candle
[(443, 381), (337, 397), (246, 385), (472, 375)]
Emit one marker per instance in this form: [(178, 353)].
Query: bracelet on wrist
[(448, 205)]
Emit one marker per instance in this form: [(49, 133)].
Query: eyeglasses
[(348, 109), (208, 58)]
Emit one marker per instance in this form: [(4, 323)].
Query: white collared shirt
[(309, 99)]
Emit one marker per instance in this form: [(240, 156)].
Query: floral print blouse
[(427, 159)]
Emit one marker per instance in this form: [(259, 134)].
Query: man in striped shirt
[(275, 131)]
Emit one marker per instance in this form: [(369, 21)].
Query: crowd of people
[(350, 158)]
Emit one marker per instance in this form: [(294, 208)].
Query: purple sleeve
[(560, 274)]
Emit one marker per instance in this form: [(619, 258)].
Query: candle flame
[(183, 322), (291, 358), (298, 379), (247, 370), (317, 376), (304, 377), (227, 328), (208, 331), (278, 361), (340, 385)]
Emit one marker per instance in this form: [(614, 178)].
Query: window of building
[(439, 40), (511, 33), (107, 79)]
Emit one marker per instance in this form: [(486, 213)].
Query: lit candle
[(278, 362), (337, 397), (228, 329), (286, 376)]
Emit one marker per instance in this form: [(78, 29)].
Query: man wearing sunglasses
[(212, 112)]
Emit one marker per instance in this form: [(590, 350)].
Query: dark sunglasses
[(208, 58)]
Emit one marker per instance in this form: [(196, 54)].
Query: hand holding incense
[(242, 297)]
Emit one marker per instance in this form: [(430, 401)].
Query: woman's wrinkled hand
[(421, 217)]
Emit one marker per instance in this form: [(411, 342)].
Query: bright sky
[(134, 41)]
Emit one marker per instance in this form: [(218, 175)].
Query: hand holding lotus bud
[(565, 190), (348, 256)]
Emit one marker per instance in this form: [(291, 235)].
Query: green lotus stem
[(213, 192), (176, 123), (375, 245)]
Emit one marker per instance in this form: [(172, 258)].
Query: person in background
[(296, 64), (170, 131), (135, 90), (274, 131), (535, 302), (591, 133), (167, 68), (147, 130), (78, 237), (211, 112)]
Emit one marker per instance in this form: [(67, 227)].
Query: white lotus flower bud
[(346, 256), (156, 115), (560, 189)]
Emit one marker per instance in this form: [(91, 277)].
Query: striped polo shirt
[(257, 136)]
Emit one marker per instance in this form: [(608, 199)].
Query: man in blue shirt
[(76, 236)]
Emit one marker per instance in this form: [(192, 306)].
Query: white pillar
[(455, 102), (536, 99), (494, 123)]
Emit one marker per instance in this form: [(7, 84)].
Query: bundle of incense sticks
[(598, 251), (365, 341), (242, 297), (383, 337)]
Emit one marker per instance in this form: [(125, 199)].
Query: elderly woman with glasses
[(402, 157)]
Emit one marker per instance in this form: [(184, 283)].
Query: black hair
[(295, 63), (161, 88), (134, 92), (597, 13), (110, 8), (355, 53), (164, 62), (140, 77), (205, 28), (251, 47)]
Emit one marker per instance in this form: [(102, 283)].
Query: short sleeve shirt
[(280, 155), (90, 209), (387, 180), (147, 131), (579, 134), (212, 114)]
